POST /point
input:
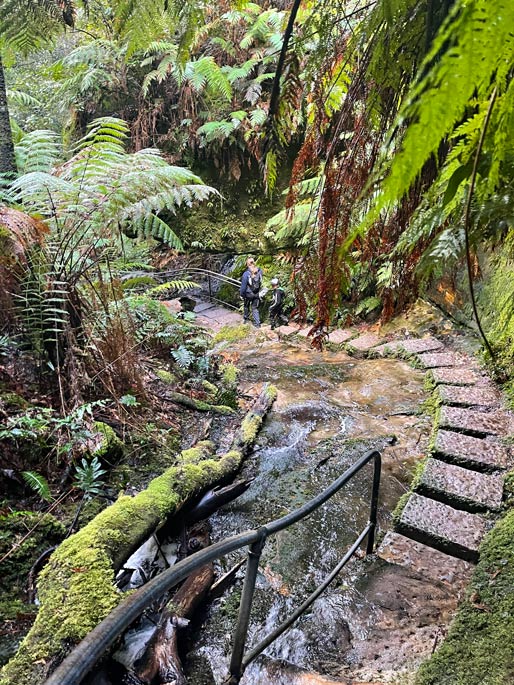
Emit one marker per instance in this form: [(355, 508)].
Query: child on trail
[(277, 303), (251, 284)]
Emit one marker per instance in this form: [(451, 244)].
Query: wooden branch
[(198, 405), (161, 658)]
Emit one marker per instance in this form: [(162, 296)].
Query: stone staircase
[(453, 502)]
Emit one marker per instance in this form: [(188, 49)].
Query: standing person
[(277, 303), (250, 285)]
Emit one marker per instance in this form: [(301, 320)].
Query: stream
[(329, 411)]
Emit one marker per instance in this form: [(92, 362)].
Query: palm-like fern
[(102, 188)]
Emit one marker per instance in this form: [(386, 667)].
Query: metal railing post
[(377, 465), (241, 630), (209, 284)]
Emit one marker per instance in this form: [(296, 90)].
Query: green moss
[(479, 649), (250, 427), (111, 447), (166, 376), (46, 532), (232, 333), (230, 374), (229, 385), (271, 392), (138, 282), (431, 405), (11, 400), (400, 506)]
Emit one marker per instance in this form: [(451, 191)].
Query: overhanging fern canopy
[(102, 187)]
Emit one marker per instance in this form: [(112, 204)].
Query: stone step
[(474, 453), (468, 396), (474, 422), (340, 335), (409, 346), (460, 487), (438, 525), (431, 360), (364, 343), (427, 562), (454, 376)]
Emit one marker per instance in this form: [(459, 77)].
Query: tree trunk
[(7, 158)]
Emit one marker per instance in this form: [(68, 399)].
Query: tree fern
[(37, 151), (474, 52)]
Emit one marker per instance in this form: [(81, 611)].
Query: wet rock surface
[(474, 422), (430, 360), (456, 485), (475, 453), (468, 395), (450, 530), (364, 342), (455, 376), (426, 562)]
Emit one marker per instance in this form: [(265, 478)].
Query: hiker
[(250, 286), (277, 303)]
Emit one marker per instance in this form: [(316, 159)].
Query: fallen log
[(161, 661), (197, 405), (77, 587)]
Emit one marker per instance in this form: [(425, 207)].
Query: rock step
[(473, 453), (364, 343), (438, 525), (474, 422), (454, 376), (431, 360), (460, 487), (409, 346), (340, 335), (425, 561), (468, 396)]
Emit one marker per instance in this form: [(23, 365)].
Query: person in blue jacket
[(251, 284)]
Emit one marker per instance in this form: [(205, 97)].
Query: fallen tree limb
[(161, 660), (198, 405), (77, 588)]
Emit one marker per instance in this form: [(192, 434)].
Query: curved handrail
[(195, 270), (85, 655)]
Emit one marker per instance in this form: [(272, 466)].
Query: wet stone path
[(422, 566)]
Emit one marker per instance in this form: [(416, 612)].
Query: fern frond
[(172, 285), (38, 484), (151, 226), (472, 53), (22, 98), (37, 151)]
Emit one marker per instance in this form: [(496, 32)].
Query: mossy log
[(197, 405), (77, 588)]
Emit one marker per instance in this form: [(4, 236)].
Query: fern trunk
[(7, 158)]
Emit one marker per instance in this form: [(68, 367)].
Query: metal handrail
[(197, 270), (85, 655)]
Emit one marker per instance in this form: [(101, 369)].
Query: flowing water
[(329, 411)]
